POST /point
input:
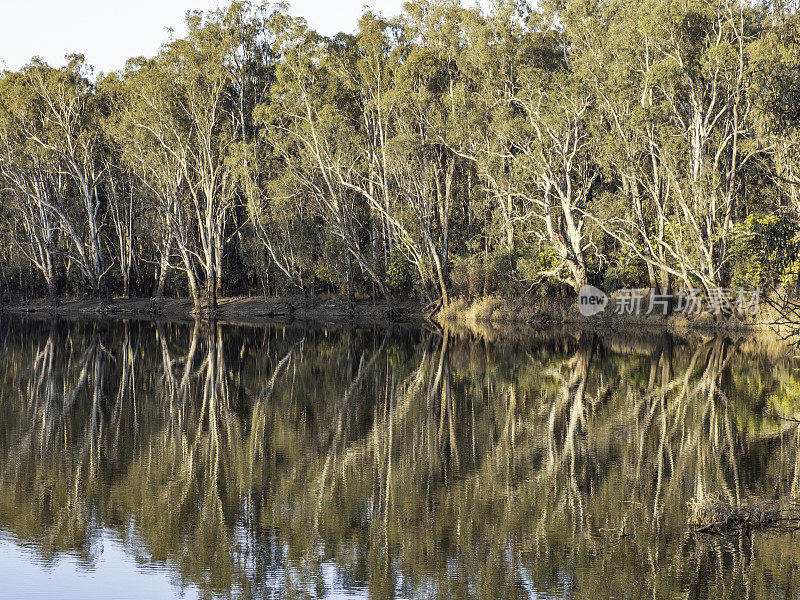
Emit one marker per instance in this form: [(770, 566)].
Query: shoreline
[(494, 315), (476, 315), (245, 310), (497, 310)]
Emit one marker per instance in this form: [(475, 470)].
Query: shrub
[(764, 251), (399, 272)]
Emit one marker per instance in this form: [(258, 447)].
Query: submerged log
[(711, 514)]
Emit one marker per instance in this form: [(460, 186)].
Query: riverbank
[(476, 315), (246, 310), (496, 311)]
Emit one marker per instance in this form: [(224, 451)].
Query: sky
[(108, 32)]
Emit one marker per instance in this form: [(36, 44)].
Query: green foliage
[(511, 150), (399, 273), (626, 272), (468, 276), (534, 269), (765, 251)]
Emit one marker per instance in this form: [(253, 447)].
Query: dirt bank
[(319, 309), (504, 313), (508, 315)]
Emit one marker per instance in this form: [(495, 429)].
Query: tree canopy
[(446, 151)]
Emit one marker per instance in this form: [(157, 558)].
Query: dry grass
[(493, 309), (711, 514), (477, 313)]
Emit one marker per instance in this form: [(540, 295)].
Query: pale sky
[(108, 32)]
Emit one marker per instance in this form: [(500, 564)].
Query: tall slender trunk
[(162, 268), (52, 284), (211, 290), (191, 277), (218, 267)]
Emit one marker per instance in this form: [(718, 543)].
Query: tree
[(309, 128), (56, 116), (691, 138), (180, 133), (33, 186)]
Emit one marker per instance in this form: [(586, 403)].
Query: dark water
[(160, 461)]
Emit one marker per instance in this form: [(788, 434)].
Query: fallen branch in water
[(788, 419), (710, 514)]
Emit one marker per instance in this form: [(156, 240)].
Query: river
[(162, 460)]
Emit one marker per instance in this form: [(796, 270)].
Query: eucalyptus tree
[(554, 159), (258, 35), (537, 153), (427, 100), (703, 86), (310, 127), (617, 56), (121, 198), (56, 115), (145, 149), (775, 92), (178, 130), (32, 186), (676, 91), (555, 140), (494, 45), (399, 82), (69, 128)]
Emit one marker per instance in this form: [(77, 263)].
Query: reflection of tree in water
[(53, 439), (250, 459)]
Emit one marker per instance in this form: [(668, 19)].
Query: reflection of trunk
[(446, 407), (567, 421), (573, 389), (43, 373), (92, 440), (218, 450), (176, 390), (215, 402), (126, 390), (694, 426), (62, 382), (335, 449), (795, 493)]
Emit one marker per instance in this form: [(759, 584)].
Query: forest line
[(446, 152)]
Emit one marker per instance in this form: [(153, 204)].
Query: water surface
[(142, 460)]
